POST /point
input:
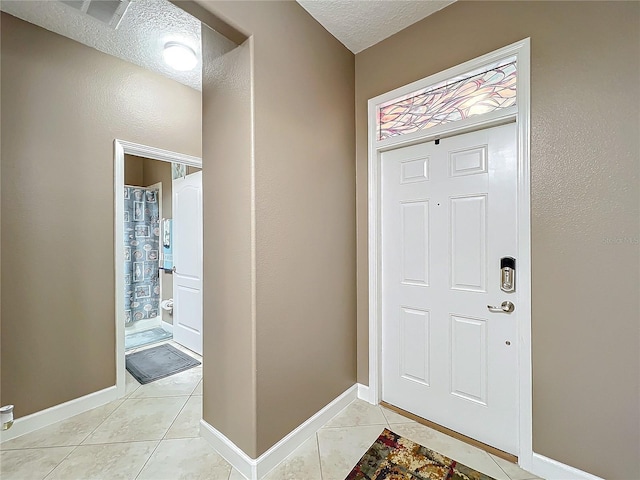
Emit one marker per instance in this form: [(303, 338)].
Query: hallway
[(153, 434)]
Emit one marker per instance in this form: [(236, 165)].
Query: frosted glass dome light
[(179, 56)]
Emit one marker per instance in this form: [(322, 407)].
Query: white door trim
[(521, 114), (120, 148)]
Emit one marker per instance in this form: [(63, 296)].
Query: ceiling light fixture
[(179, 56)]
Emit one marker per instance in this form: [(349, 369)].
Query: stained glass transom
[(474, 93)]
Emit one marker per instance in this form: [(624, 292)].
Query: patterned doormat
[(392, 457)]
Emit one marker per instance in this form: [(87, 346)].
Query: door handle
[(506, 307)]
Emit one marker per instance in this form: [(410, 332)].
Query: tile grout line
[(118, 443), (354, 426), (37, 448), (60, 462), (499, 466), (147, 460), (384, 415), (163, 396), (104, 420), (83, 445), (134, 441), (531, 477), (319, 456), (75, 447), (176, 418)]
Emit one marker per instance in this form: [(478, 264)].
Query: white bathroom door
[(449, 215), (187, 260)]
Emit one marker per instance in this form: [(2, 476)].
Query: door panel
[(469, 161), (414, 345), (448, 216), (468, 249), (469, 358), (415, 243), (187, 252), (414, 170)]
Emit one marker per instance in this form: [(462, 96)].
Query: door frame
[(120, 148), (520, 113)]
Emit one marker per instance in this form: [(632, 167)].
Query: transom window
[(480, 91)]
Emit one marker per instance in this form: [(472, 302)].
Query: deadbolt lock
[(508, 274)]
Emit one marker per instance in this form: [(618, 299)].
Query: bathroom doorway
[(158, 223)]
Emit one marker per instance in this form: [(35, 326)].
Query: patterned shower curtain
[(141, 253)]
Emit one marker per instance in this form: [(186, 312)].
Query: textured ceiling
[(149, 24), (140, 37), (359, 24)]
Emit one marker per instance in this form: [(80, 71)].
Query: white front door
[(448, 217), (187, 260)]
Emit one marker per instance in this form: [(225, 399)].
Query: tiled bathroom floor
[(153, 434)]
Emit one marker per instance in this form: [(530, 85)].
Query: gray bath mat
[(138, 339), (158, 362)]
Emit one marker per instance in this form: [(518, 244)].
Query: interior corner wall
[(63, 104), (585, 201), (303, 124)]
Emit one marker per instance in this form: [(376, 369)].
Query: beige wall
[(62, 106), (585, 206), (156, 171), (229, 388), (305, 219), (133, 170), (304, 272)]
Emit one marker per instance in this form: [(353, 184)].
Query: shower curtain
[(141, 253)]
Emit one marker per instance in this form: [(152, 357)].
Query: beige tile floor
[(153, 434)]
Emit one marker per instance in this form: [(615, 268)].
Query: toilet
[(167, 306)]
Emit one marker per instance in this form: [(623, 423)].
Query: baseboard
[(253, 469), (233, 454), (364, 393), (552, 470), (167, 327), (57, 413)]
